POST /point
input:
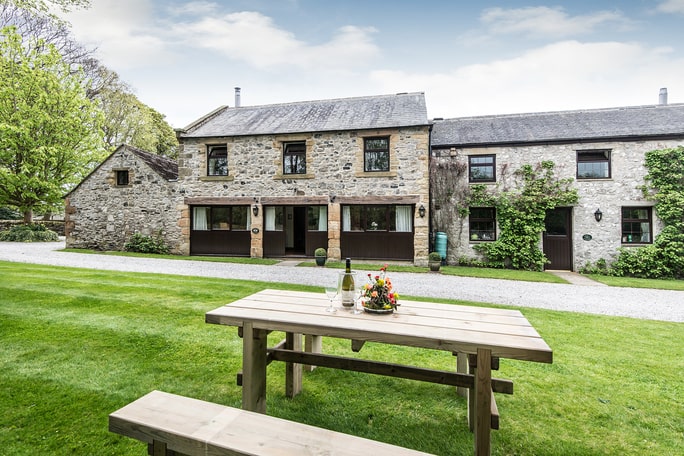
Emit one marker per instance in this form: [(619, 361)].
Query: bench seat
[(173, 424)]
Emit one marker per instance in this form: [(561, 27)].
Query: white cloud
[(121, 31), (561, 76), (255, 39), (194, 8), (671, 6), (547, 22)]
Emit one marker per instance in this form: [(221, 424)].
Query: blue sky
[(184, 58)]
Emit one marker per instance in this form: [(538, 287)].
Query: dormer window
[(217, 161)]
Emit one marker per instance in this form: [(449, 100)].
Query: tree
[(49, 130), (130, 121)]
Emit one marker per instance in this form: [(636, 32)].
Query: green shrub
[(147, 244), (29, 233), (320, 252), (434, 256), (7, 213)]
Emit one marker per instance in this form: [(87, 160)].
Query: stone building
[(349, 175), (130, 191), (602, 150)]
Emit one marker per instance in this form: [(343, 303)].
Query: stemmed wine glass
[(331, 293), (358, 299)]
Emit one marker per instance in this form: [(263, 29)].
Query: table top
[(454, 328)]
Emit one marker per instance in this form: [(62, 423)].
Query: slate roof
[(399, 110), (563, 126), (165, 167)]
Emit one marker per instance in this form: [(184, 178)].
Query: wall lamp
[(255, 210), (421, 211), (598, 215)]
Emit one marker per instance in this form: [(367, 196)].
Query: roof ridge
[(572, 111)]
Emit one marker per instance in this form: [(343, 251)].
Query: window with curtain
[(200, 218), (274, 216), (393, 218), (225, 218), (317, 218)]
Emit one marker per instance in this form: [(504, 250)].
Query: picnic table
[(478, 334)]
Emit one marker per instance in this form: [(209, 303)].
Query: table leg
[(293, 371), (462, 368), (483, 402), (312, 344), (254, 344)]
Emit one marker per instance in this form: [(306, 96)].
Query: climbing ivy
[(520, 213), (665, 257)]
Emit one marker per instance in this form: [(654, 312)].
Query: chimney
[(662, 98), (237, 97)]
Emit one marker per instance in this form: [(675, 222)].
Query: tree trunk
[(28, 216)]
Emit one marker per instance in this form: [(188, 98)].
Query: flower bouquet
[(378, 296)]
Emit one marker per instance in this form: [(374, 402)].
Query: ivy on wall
[(665, 257), (520, 214)]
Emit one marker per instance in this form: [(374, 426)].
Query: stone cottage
[(602, 150), (130, 191), (349, 175)]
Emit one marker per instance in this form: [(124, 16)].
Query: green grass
[(77, 344), (633, 282), (214, 259)]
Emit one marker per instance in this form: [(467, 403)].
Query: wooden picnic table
[(482, 334)]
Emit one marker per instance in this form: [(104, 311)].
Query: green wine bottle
[(347, 287)]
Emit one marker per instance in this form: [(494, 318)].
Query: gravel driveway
[(589, 297)]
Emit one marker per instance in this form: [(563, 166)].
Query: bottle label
[(347, 298)]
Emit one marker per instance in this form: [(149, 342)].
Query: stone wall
[(610, 195), (334, 169), (101, 215)]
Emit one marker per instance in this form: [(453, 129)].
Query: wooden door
[(557, 238)]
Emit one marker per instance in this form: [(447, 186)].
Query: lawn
[(77, 344)]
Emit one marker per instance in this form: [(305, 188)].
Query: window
[(377, 218), (223, 218), (481, 168), (482, 223), (274, 218), (317, 218), (294, 158), (376, 154), (122, 178), (217, 161), (636, 225), (593, 164)]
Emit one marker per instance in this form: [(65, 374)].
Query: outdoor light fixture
[(421, 211), (598, 215), (255, 210)]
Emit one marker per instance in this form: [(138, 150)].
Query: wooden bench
[(173, 425)]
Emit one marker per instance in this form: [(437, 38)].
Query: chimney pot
[(662, 98), (237, 97)]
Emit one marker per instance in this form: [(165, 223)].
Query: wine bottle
[(347, 287)]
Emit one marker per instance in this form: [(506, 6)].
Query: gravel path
[(588, 297)]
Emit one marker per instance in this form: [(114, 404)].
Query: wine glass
[(331, 293), (358, 299)]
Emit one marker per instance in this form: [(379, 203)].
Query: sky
[(470, 58)]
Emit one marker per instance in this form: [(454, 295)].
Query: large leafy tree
[(50, 132), (128, 120)]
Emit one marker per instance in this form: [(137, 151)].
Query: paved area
[(581, 295)]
